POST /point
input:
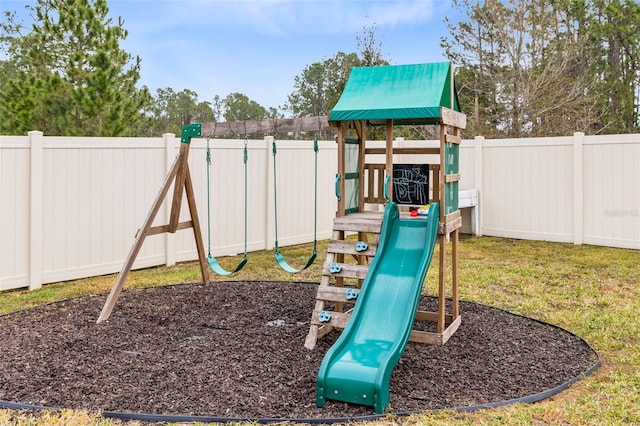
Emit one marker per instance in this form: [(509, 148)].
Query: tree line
[(523, 68), (547, 67), (66, 74)]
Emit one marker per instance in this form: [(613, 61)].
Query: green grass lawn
[(593, 292)]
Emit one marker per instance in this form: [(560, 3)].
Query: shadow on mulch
[(235, 350)]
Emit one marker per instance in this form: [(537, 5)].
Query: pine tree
[(73, 78)]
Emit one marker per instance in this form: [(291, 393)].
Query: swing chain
[(245, 155), (245, 158), (208, 157), (279, 257), (208, 153), (213, 263)]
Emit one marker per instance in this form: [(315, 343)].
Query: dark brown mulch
[(235, 349)]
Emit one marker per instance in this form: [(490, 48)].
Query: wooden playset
[(421, 94), (388, 96)]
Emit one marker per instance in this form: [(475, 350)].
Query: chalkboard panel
[(411, 184)]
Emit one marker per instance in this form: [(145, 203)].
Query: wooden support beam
[(453, 139), (431, 316), (269, 126), (389, 158), (161, 229), (197, 231), (176, 204), (440, 323), (341, 170), (179, 176), (411, 151), (135, 249), (454, 274), (361, 130), (435, 338), (362, 138), (451, 222), (453, 118), (441, 182)]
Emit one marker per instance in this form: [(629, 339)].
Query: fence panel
[(14, 208), (612, 190), (527, 189), (96, 194)]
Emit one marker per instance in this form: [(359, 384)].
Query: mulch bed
[(236, 349)]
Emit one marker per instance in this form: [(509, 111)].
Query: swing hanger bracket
[(190, 131)]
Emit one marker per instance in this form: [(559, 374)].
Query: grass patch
[(590, 291)]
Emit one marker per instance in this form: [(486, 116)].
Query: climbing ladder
[(344, 270)]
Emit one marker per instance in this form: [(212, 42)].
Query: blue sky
[(257, 47)]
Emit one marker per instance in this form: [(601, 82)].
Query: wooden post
[(362, 141), (179, 187), (442, 237), (441, 283), (455, 311), (389, 158), (197, 231), (341, 170), (455, 237)]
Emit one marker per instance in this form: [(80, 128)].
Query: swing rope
[(279, 256), (213, 262)]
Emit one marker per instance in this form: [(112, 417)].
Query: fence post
[(270, 200), (477, 178), (169, 238), (578, 188), (36, 175)]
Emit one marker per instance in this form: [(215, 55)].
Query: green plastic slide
[(357, 368)]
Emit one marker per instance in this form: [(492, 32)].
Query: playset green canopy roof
[(411, 93)]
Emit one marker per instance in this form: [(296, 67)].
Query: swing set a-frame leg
[(197, 231), (180, 175)]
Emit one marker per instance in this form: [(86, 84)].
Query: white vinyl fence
[(70, 207), (577, 189)]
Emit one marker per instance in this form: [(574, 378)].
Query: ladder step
[(349, 247), (338, 319), (347, 223), (348, 271), (335, 294)]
